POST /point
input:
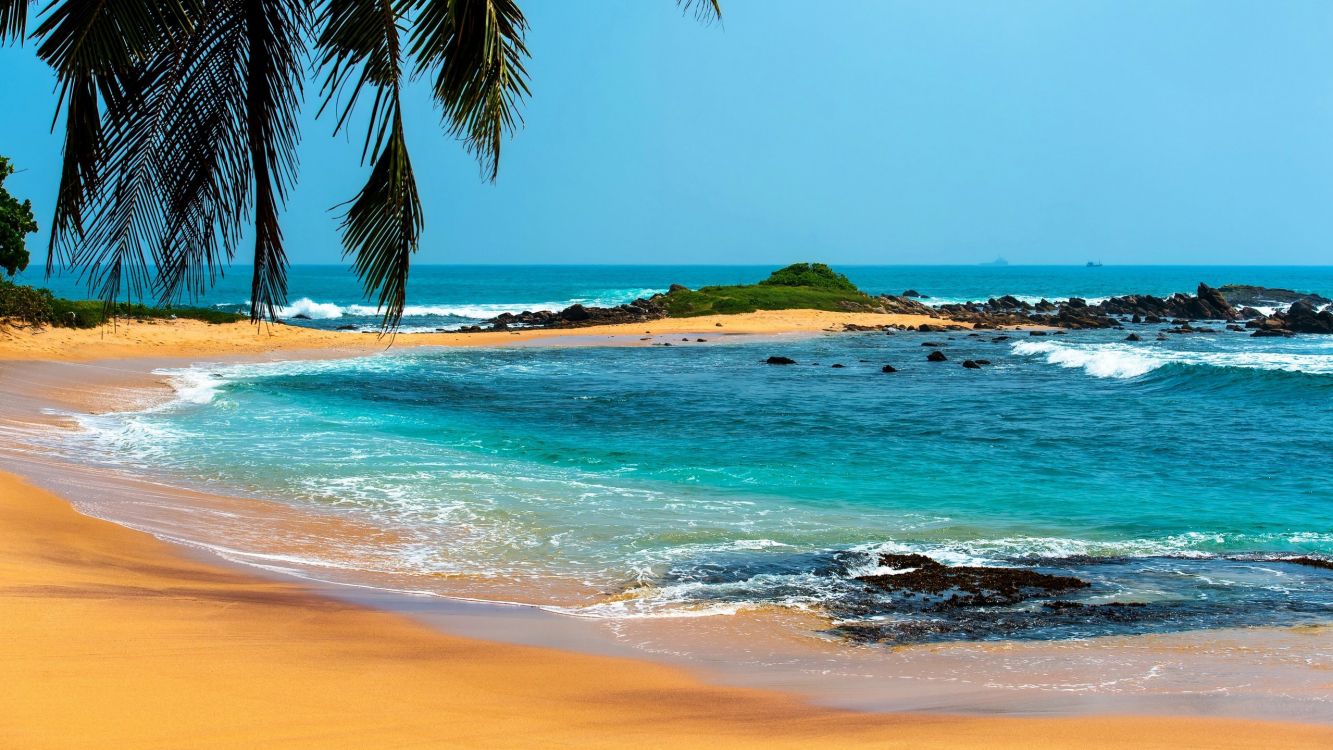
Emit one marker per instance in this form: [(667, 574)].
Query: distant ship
[(997, 262), (1094, 264)]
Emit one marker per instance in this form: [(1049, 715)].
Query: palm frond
[(13, 19), (360, 47), (276, 31), (383, 226), (475, 53), (704, 10), (99, 51), (205, 154)]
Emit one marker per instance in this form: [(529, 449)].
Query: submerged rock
[(967, 585), (936, 356), (888, 368), (776, 360), (971, 364)]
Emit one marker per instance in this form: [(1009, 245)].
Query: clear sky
[(859, 131)]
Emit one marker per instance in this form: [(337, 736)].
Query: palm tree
[(180, 120)]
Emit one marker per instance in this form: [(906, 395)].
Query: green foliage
[(784, 290), (37, 307), (16, 223), (812, 275), (24, 304)]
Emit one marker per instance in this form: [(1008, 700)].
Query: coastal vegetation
[(809, 286), (39, 307)]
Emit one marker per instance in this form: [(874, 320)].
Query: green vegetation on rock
[(802, 286), (811, 275)]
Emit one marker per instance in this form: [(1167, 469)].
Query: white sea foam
[(1101, 360), (1117, 360), (316, 310)]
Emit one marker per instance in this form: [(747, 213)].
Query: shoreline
[(791, 717), (113, 639)]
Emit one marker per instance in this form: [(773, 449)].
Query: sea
[(1179, 478)]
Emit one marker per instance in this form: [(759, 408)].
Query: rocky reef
[(1179, 310)]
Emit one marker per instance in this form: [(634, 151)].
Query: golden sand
[(187, 338), (111, 639)]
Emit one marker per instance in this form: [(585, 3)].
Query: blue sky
[(863, 131)]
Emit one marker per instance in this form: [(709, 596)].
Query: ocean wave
[(316, 310), (1125, 361)]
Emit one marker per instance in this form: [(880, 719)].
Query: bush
[(39, 307), (812, 275), (803, 286), (25, 304)]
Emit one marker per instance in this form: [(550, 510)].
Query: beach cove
[(159, 337)]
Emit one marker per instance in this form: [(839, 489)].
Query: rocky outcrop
[(1261, 296), (1207, 304), (579, 316), (1301, 317), (778, 360), (966, 585)]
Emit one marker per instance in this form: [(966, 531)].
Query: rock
[(982, 361), (1234, 327), (1271, 332), (931, 343), (1260, 296), (936, 356), (837, 366), (1036, 333), (780, 361), (913, 293), (353, 328), (1133, 337), (971, 364), (1212, 305), (1248, 313), (888, 368), (1312, 562), (300, 316), (701, 341), (575, 313), (1302, 318), (967, 585), (677, 288)]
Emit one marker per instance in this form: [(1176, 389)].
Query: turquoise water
[(654, 481), (452, 296)]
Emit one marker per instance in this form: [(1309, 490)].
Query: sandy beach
[(185, 338), (112, 638)]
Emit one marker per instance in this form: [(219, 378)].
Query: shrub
[(812, 275), (25, 304), (39, 307)]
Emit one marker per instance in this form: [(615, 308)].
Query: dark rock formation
[(888, 368), (776, 360), (936, 356), (1301, 317), (966, 585), (1133, 337), (1260, 296), (913, 293), (971, 364), (1312, 562)]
